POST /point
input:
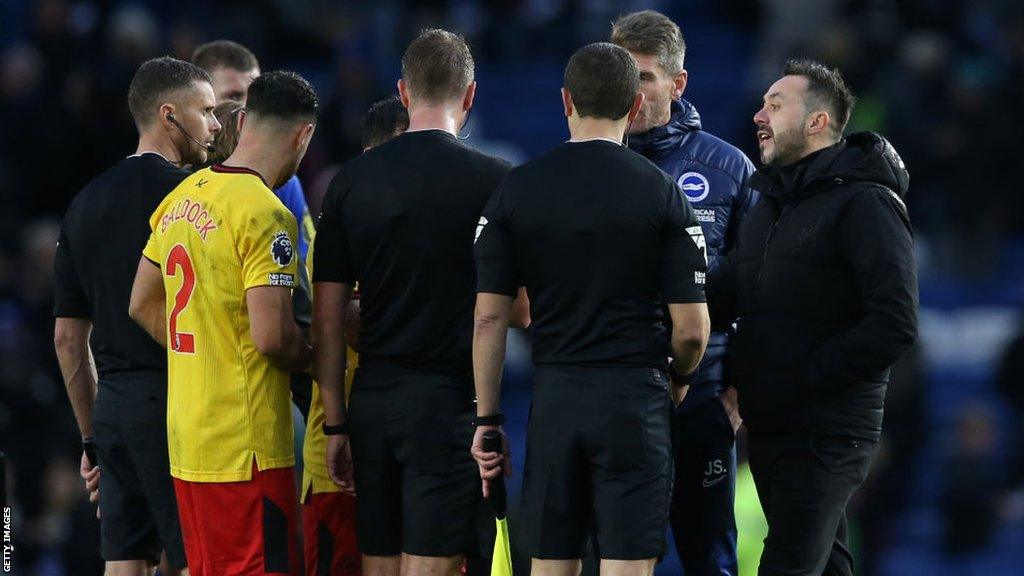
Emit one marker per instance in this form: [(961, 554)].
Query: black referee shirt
[(399, 219), (601, 238), (101, 241)]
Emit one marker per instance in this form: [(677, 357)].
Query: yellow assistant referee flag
[(501, 561)]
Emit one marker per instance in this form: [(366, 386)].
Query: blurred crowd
[(943, 79)]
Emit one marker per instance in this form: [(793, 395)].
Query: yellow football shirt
[(314, 445), (219, 233)]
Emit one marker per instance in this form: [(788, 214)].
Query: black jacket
[(823, 289)]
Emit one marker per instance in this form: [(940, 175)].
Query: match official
[(713, 176), (103, 232), (602, 240), (329, 514), (399, 220)]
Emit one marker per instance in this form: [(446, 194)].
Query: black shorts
[(418, 485), (598, 456), (139, 513)]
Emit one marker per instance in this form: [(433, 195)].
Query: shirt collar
[(571, 141)]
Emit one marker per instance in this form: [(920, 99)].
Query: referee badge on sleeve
[(281, 249), (697, 235), (480, 228)]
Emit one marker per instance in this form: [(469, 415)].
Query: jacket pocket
[(843, 454)]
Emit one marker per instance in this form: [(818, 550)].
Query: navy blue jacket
[(713, 175)]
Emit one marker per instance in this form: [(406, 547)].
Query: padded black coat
[(823, 289)]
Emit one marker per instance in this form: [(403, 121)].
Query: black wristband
[(89, 447), (677, 378), (492, 420), (336, 430)]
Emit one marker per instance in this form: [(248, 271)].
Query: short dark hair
[(224, 54), (652, 34), (438, 66), (383, 120), (284, 95), (155, 81), (826, 89), (603, 80)]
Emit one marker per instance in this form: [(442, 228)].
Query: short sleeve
[(494, 251), (69, 299), (266, 246), (152, 249), (293, 197), (332, 260), (684, 252)]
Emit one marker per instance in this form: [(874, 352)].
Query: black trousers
[(804, 482)]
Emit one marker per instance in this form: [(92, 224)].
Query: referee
[(103, 233), (602, 239), (399, 220)]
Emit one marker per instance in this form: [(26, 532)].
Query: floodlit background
[(943, 80)]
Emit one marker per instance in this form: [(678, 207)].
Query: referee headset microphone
[(209, 147)]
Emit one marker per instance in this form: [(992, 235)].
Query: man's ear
[(638, 101), (166, 113), (303, 135), (566, 102), (242, 116), (679, 84), (403, 93), (467, 99), (817, 122)]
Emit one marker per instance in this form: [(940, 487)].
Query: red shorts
[(329, 530), (240, 528)]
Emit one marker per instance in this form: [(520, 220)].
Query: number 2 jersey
[(221, 232)]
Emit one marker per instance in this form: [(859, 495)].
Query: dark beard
[(789, 147)]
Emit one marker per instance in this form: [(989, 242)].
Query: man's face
[(658, 88), (231, 84), (195, 113), (781, 133)]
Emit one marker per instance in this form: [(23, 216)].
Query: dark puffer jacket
[(712, 175), (823, 285)]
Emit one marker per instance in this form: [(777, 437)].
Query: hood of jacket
[(861, 157)]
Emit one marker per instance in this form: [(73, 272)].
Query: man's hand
[(91, 475), (732, 407), (491, 464), (339, 463)]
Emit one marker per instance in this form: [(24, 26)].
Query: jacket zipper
[(767, 243)]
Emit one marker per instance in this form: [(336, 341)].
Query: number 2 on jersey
[(180, 342)]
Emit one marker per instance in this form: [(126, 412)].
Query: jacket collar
[(661, 140), (800, 179)]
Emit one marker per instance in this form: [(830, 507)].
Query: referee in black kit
[(399, 220), (103, 233), (602, 240)]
